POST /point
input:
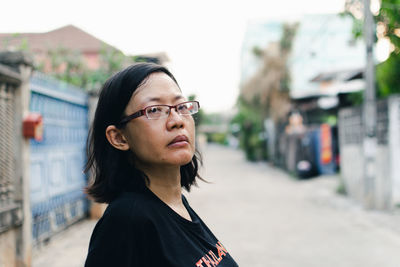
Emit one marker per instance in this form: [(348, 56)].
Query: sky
[(202, 38)]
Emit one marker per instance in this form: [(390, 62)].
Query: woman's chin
[(181, 159)]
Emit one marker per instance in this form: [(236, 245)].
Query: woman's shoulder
[(128, 207)]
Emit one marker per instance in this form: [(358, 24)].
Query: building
[(258, 35), (323, 44), (67, 38), (326, 65)]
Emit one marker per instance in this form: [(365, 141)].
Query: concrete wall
[(15, 223), (351, 169), (7, 248), (386, 192), (394, 148), (382, 180)]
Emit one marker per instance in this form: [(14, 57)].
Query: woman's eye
[(154, 110), (183, 107)]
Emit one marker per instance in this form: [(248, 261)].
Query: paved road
[(266, 218)]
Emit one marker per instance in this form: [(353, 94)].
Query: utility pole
[(369, 111)]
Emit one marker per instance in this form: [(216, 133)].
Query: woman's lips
[(179, 141)]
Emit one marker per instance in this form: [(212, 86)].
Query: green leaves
[(388, 21), (72, 66), (388, 76)]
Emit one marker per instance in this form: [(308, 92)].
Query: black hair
[(112, 170)]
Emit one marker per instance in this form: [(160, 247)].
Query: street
[(264, 218)]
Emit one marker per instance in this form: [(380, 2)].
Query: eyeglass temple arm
[(132, 116)]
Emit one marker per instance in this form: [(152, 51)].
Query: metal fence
[(57, 180), (351, 124), (382, 122)]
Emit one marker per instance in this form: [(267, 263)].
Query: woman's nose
[(174, 120)]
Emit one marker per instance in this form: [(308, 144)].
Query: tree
[(111, 61), (265, 95), (68, 65), (251, 127), (388, 27), (199, 117), (388, 72), (388, 75)]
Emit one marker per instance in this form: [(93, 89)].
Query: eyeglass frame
[(142, 112)]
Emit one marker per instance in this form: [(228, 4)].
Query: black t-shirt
[(140, 230)]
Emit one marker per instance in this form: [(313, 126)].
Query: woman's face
[(165, 141)]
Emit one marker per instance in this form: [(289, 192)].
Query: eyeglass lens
[(155, 112)]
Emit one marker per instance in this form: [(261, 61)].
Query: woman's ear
[(116, 138)]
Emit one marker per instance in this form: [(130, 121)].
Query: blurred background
[(299, 124)]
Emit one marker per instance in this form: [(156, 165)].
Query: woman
[(141, 150)]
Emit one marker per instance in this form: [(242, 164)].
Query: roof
[(69, 37), (339, 82), (341, 75), (338, 87)]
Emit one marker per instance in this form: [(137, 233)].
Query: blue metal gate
[(57, 180)]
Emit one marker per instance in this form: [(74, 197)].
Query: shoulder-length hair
[(112, 170)]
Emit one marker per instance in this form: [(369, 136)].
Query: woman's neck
[(165, 183)]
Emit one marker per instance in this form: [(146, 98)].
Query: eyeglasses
[(156, 112)]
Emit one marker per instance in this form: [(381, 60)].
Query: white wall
[(394, 148), (387, 165), (351, 170)]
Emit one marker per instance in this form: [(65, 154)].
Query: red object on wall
[(326, 144), (33, 126)]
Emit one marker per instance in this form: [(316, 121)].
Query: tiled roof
[(69, 37)]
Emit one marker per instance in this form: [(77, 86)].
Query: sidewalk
[(266, 218), (66, 249)]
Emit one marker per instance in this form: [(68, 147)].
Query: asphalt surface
[(264, 218)]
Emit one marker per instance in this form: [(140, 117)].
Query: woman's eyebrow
[(158, 99)]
